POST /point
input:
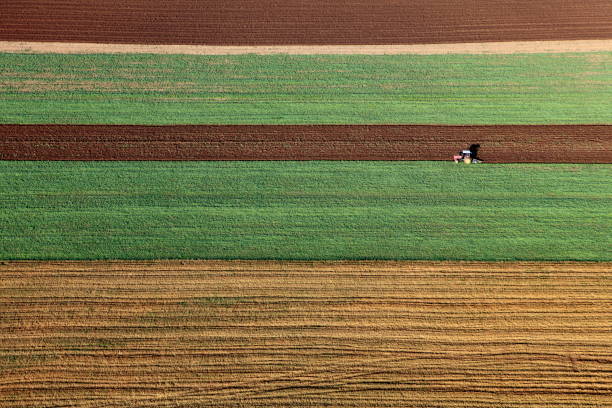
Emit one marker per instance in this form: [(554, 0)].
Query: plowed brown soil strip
[(296, 334), (499, 144), (266, 22)]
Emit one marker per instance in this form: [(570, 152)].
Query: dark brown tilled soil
[(265, 22), (499, 144)]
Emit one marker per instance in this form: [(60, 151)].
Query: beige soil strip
[(512, 47)]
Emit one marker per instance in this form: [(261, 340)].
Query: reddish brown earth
[(499, 144), (242, 22)]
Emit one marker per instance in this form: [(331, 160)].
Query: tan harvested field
[(510, 47), (302, 334)]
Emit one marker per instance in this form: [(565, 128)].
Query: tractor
[(468, 155)]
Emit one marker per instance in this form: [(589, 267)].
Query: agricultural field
[(304, 210), (243, 203), (310, 334), (567, 88), (498, 144), (265, 22)]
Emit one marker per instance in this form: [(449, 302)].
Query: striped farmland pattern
[(522, 81)]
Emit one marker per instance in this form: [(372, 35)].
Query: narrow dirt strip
[(498, 144), (510, 47)]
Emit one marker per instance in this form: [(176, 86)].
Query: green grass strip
[(304, 210), (281, 89)]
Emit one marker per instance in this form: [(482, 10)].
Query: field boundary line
[(509, 47), (272, 265)]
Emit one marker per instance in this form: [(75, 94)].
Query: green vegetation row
[(281, 89), (304, 210)]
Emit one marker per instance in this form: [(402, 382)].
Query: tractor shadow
[(474, 148)]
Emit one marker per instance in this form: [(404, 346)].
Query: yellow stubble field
[(305, 334)]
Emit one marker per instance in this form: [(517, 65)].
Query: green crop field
[(281, 89), (304, 210)]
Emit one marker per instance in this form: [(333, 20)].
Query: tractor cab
[(468, 155)]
